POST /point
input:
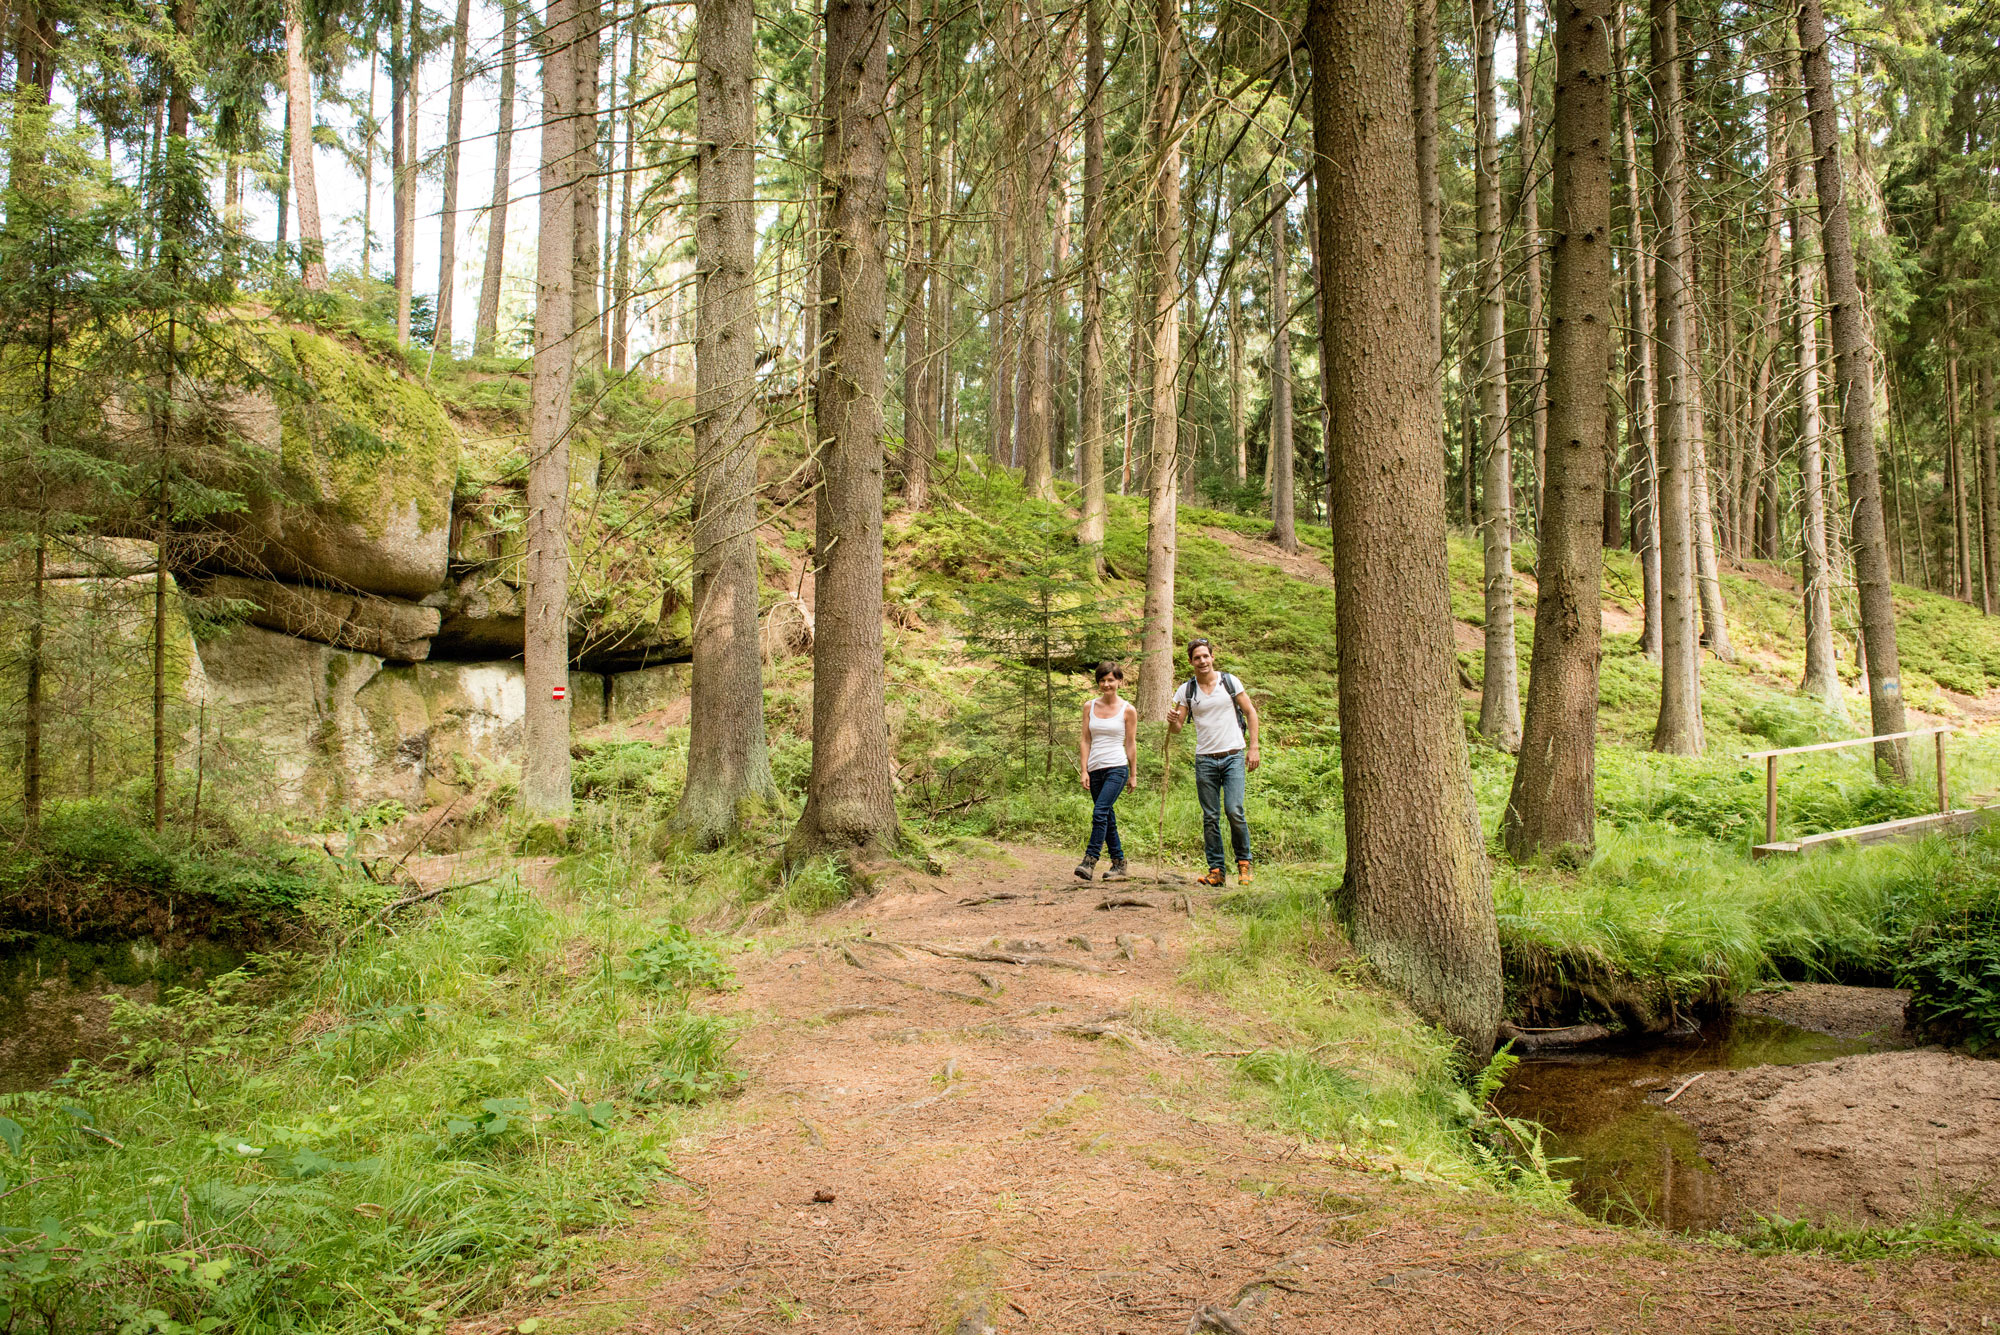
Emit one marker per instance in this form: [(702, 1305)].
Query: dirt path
[(943, 1144)]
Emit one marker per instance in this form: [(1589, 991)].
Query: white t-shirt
[(1216, 731), (1107, 738)]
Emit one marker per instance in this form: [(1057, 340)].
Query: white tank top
[(1107, 737)]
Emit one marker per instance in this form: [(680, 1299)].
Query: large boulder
[(366, 460), (388, 627)]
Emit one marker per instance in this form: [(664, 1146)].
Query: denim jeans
[(1218, 781), (1105, 786)]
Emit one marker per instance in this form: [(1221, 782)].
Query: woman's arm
[(1131, 746), (1083, 749)]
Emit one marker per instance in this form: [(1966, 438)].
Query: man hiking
[(1225, 750)]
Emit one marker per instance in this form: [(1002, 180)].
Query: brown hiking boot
[(1243, 876), (1213, 876), (1117, 872)]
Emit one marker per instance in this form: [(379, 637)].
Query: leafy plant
[(675, 961)]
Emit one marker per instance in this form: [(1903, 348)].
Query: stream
[(1631, 1160)]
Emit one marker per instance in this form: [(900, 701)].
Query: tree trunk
[(1531, 248), (1239, 436), (1961, 526), (1416, 891), (1642, 404), (448, 220), (1553, 805), (729, 769), (545, 771), (919, 438), (1037, 413), (1679, 731), (589, 176), (1822, 678), (1708, 579), (488, 326), (1283, 507), (849, 803), (1430, 202), (1989, 472), (621, 294), (1090, 391), (299, 109), (1856, 373), (401, 94), (1500, 690), (1156, 664)]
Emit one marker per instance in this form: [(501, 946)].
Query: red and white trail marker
[(558, 692)]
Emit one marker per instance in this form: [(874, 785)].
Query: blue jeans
[(1105, 786), (1218, 781)]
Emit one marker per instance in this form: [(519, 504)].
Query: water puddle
[(1634, 1161)]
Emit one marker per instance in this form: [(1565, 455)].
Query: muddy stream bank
[(1805, 1103)]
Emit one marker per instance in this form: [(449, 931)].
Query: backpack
[(1230, 685)]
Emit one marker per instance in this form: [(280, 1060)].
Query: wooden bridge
[(1942, 821)]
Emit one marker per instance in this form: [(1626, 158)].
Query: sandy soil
[(1871, 1014), (934, 1143), (1874, 1138)]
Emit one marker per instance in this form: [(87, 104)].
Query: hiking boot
[(1086, 869), (1213, 876), (1243, 876), (1117, 872)]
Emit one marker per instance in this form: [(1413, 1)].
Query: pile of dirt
[(1875, 1015), (1871, 1139)]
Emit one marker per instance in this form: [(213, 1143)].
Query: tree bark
[(1416, 891), (1642, 405), (729, 769), (299, 108), (849, 803), (1037, 410), (1553, 805), (545, 769), (1090, 391), (1989, 473), (1856, 374), (1679, 730), (1430, 202), (1156, 664), (919, 442), (1239, 435), (1708, 578), (1500, 689), (588, 348), (1531, 250), (448, 221), (1283, 507), (487, 328), (1822, 678), (402, 151), (1961, 526)]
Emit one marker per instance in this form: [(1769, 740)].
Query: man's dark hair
[(1199, 643), (1109, 669)]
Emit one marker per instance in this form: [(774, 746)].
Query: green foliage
[(675, 961), (1950, 948), (1955, 1233)]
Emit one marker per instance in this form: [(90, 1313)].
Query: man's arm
[(1250, 757)]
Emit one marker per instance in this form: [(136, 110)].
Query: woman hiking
[(1107, 756)]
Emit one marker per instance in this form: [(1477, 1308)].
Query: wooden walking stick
[(1166, 768)]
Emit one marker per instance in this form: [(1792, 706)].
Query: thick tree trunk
[(487, 328), (1856, 374), (299, 109), (1037, 409), (919, 437), (1500, 690), (729, 769), (1283, 506), (1417, 891), (1642, 404), (588, 347), (1679, 731), (1531, 249), (1553, 805), (448, 222), (1156, 664), (545, 771), (1090, 391), (1822, 678), (849, 802)]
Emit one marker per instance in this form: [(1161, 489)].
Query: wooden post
[(1944, 801), (1771, 799)]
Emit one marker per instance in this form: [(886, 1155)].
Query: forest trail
[(928, 1142)]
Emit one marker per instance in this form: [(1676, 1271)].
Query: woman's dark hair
[(1109, 669)]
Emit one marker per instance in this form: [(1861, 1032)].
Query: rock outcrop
[(388, 627)]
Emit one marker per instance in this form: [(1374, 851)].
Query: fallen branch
[(407, 900), (1682, 1088)]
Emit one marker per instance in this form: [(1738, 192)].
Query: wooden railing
[(1770, 759)]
